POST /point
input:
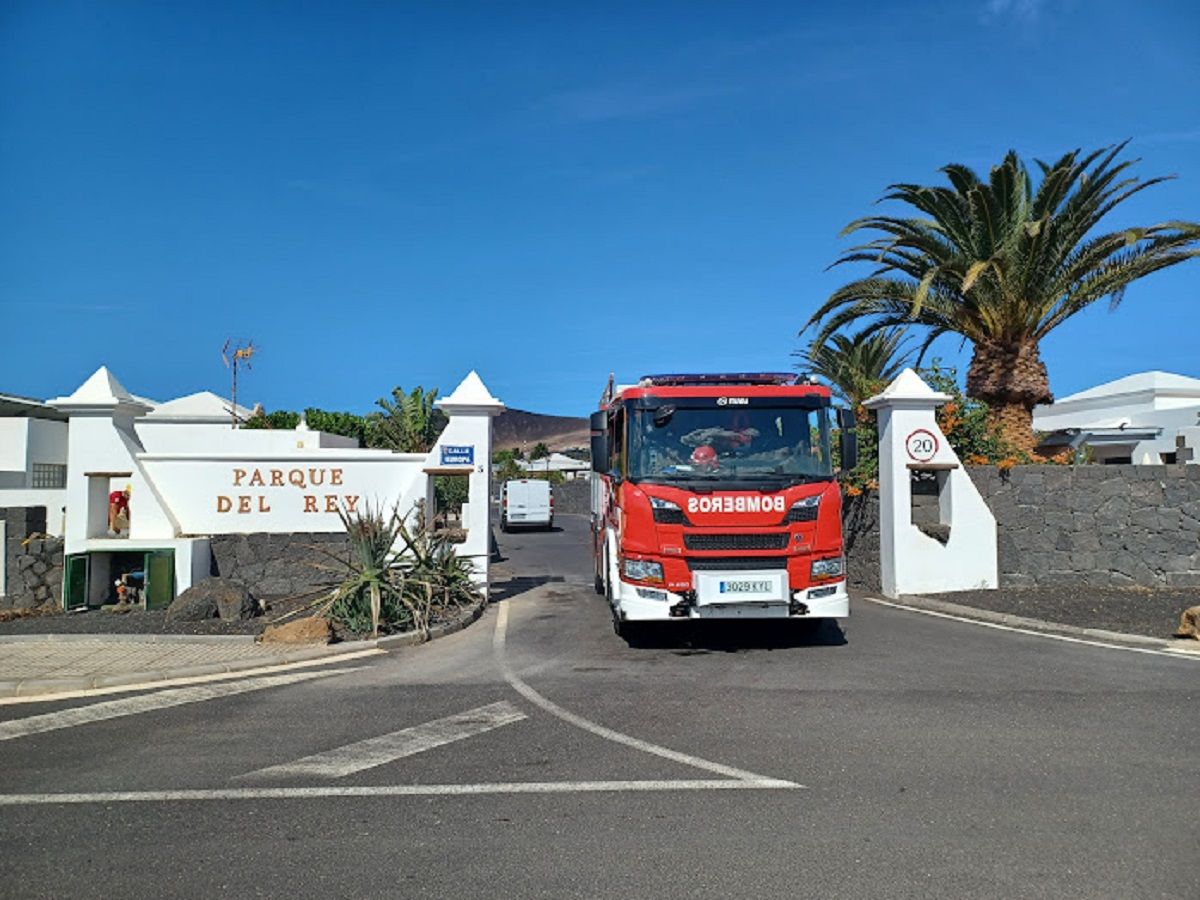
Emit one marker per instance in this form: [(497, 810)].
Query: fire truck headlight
[(827, 568), (643, 570)]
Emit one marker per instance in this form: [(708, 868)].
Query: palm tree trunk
[(1012, 380)]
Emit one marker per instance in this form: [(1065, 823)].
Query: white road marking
[(193, 679), (740, 775), (387, 748), (1171, 654), (398, 790), (111, 709)]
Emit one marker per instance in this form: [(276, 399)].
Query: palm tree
[(409, 422), (857, 366), (1003, 264)]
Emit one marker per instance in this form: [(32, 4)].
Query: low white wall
[(167, 436)]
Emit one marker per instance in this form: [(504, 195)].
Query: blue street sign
[(458, 456)]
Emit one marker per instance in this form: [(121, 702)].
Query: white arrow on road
[(376, 751)]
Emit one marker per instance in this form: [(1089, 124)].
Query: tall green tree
[(858, 366), (1003, 262), (407, 422)]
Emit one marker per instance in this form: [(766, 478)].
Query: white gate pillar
[(913, 561), (465, 448)]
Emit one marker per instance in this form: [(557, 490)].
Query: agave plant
[(396, 577), (1003, 262)]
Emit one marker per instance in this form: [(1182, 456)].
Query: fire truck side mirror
[(849, 439), (599, 434), (849, 450)]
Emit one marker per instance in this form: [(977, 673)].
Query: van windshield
[(730, 443)]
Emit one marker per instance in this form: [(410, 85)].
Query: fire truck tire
[(632, 633)]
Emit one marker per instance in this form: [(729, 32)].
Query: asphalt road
[(901, 756)]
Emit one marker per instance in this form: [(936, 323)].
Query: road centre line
[(1170, 654), (397, 790), (112, 709), (376, 751), (498, 647)]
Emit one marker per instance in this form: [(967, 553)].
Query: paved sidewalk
[(37, 665)]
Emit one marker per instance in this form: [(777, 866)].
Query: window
[(49, 475)]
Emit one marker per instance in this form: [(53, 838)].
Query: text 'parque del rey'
[(307, 480)]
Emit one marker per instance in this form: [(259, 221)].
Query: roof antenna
[(242, 352)]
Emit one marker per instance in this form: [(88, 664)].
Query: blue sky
[(394, 193)]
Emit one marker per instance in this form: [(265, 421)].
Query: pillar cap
[(907, 391), (471, 396)]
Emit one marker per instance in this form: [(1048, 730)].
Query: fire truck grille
[(736, 563), (736, 541)]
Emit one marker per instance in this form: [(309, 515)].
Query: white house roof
[(1159, 383), (203, 406), (554, 462)]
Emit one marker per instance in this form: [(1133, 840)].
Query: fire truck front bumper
[(733, 595)]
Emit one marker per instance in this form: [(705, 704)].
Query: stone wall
[(860, 530), (1120, 526), (1115, 526), (280, 565), (573, 497), (34, 568)]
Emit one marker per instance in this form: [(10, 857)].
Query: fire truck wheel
[(632, 633)]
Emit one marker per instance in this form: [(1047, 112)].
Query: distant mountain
[(516, 428)]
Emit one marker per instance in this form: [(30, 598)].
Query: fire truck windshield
[(729, 443)]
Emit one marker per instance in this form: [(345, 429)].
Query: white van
[(526, 502)]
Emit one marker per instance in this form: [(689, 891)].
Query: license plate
[(746, 587)]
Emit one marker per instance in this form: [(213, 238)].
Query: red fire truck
[(713, 497)]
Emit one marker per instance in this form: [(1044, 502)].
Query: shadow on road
[(699, 638), (505, 590)]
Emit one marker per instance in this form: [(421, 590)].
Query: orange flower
[(977, 459), (853, 491), (1005, 464)]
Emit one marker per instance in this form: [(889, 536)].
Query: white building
[(33, 457), (569, 467), (191, 475), (1147, 419)]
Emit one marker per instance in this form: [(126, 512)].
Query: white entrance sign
[(191, 478), (910, 441)]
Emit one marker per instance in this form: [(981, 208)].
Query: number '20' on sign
[(922, 445)]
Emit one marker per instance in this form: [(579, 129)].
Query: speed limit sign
[(922, 445)]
